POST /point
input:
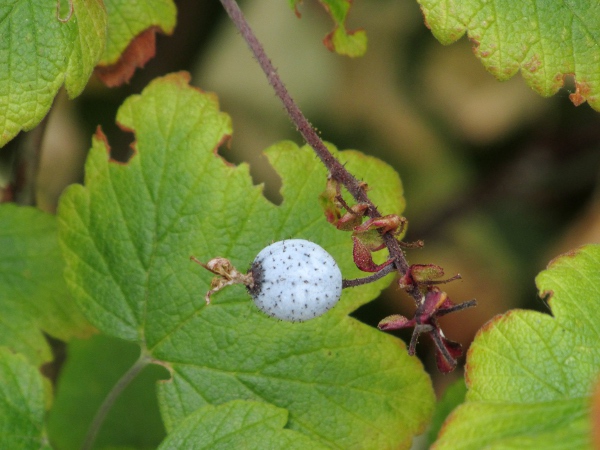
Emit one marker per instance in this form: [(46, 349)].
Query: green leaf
[(127, 236), (544, 40), (127, 19), (23, 397), (130, 43), (530, 375), (90, 372), (39, 53), (238, 424), (33, 294), (453, 396), (340, 40)]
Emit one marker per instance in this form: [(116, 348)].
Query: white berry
[(295, 280)]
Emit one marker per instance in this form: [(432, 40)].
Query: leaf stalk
[(112, 396)]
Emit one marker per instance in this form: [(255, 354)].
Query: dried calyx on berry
[(293, 280)]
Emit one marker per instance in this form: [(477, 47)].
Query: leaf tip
[(544, 292), (352, 43), (181, 79)]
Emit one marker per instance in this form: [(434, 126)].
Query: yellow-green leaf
[(531, 375), (544, 40), (239, 424), (39, 53), (128, 234)]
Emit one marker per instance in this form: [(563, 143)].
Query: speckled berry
[(295, 280)]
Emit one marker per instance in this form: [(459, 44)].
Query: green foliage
[(531, 375), (238, 424), (127, 237), (237, 378), (42, 48), (23, 396), (33, 295), (544, 40), (39, 53)]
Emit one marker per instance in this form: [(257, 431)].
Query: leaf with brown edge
[(546, 41), (531, 376), (139, 51), (346, 42), (131, 36)]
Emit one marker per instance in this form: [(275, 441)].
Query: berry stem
[(336, 169), (370, 279), (459, 307)]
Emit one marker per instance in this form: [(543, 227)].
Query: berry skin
[(295, 280)]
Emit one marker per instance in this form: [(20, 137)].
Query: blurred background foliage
[(497, 179)]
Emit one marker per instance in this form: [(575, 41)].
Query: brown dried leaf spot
[(139, 51), (582, 91)]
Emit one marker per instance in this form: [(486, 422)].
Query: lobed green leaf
[(39, 53), (127, 236), (127, 19), (238, 424), (530, 375), (33, 295), (544, 40)]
